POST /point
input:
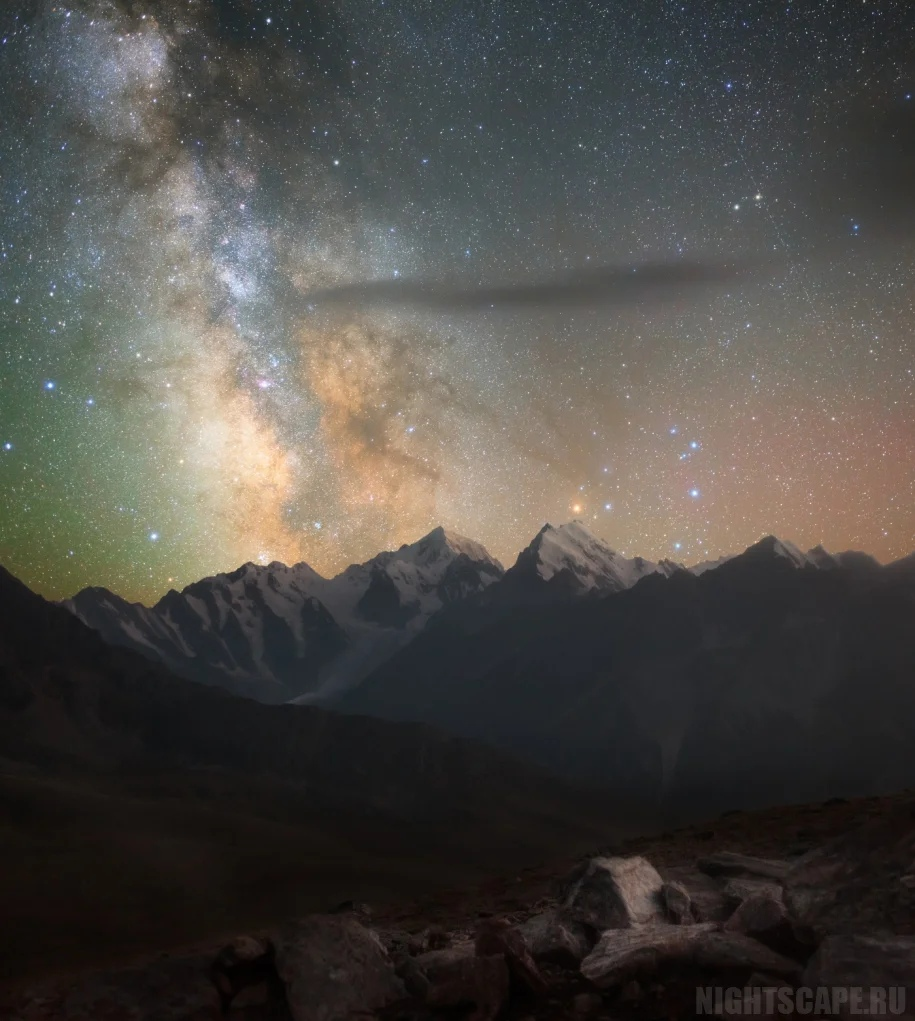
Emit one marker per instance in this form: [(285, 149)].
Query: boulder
[(434, 938), (707, 901), (436, 962), (244, 963), (609, 893), (557, 940), (334, 968), (738, 890), (729, 864), (412, 975), (498, 936), (861, 883), (623, 954), (885, 963), (465, 979), (764, 917), (677, 903)]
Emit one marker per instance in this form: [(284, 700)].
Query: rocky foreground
[(619, 936)]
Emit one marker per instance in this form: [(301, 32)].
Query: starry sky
[(302, 279)]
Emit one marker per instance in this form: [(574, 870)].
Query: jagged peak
[(773, 546), (442, 539), (572, 549)]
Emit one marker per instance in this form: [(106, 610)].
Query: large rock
[(730, 864), (435, 963), (863, 882), (738, 890), (244, 963), (557, 940), (764, 917), (411, 974), (707, 900), (498, 936), (610, 893), (465, 978), (677, 903), (870, 963), (623, 954), (335, 969)]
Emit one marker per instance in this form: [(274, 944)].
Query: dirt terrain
[(445, 921)]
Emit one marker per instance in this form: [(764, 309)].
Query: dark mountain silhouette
[(142, 809), (776, 675)]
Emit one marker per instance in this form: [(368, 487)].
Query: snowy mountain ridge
[(275, 631), (573, 553), (282, 633)]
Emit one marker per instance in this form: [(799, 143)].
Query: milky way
[(220, 220)]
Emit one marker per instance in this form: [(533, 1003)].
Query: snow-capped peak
[(440, 542), (583, 560), (781, 548)]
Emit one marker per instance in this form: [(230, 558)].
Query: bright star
[(153, 536), (49, 384), (694, 493), (7, 446)]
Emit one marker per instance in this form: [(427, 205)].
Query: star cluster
[(181, 181)]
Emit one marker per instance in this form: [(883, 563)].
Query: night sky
[(301, 280)]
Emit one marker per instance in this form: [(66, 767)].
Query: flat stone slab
[(624, 954)]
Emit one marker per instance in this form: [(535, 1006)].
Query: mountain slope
[(140, 809), (276, 632), (765, 675)]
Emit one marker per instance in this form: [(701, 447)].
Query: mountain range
[(689, 690), (773, 674), (278, 633), (464, 716), (141, 810), (275, 632)]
